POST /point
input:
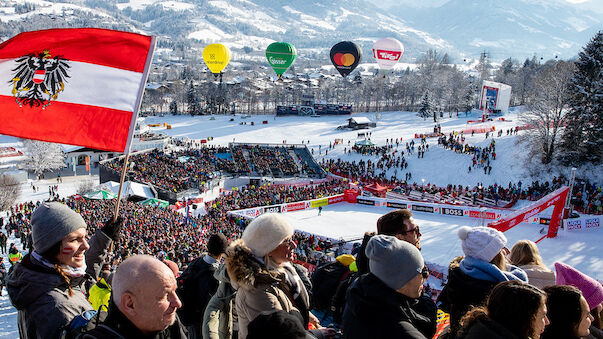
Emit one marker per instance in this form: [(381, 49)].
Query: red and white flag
[(80, 86)]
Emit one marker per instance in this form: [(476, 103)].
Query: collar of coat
[(244, 269), (119, 323)]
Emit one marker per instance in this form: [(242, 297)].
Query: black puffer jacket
[(374, 310), (486, 328), (461, 293)]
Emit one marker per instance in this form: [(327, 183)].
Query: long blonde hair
[(525, 252)]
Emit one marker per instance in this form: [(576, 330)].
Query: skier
[(319, 210)]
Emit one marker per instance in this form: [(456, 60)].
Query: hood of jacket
[(30, 280), (245, 270)]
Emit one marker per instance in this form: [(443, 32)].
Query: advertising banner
[(318, 203), (364, 201), (394, 204), (296, 206), (272, 209), (452, 211), (335, 199), (421, 208)]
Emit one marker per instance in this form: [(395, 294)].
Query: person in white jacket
[(526, 256)]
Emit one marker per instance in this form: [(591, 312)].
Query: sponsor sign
[(420, 208), (573, 225), (452, 211), (591, 223), (545, 221), (362, 201), (479, 214), (336, 199), (318, 203), (388, 55), (272, 209), (296, 206), (393, 204), (252, 212)]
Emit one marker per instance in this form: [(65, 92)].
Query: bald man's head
[(144, 290)]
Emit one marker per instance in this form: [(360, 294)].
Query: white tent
[(131, 188)]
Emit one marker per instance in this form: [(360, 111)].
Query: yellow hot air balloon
[(216, 57)]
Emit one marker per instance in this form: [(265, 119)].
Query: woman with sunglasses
[(379, 303), (259, 266), (470, 279)]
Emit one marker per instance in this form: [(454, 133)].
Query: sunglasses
[(416, 230), (425, 272)]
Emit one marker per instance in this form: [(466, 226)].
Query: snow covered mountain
[(462, 28), (517, 28)]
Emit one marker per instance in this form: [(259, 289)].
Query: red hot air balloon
[(345, 56)]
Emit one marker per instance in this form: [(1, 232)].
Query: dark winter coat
[(325, 280), (463, 292), (374, 310), (487, 328), (41, 295), (205, 286), (117, 326)]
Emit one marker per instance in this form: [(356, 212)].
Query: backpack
[(325, 280), (338, 301), (192, 294)]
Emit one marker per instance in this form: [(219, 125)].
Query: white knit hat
[(482, 243), (266, 232)]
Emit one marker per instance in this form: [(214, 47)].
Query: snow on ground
[(439, 240)]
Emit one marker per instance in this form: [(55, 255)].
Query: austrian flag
[(79, 86)]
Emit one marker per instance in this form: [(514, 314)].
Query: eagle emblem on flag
[(39, 78)]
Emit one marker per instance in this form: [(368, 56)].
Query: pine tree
[(192, 100), (425, 110), (582, 139)]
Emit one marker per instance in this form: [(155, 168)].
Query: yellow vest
[(100, 295), (15, 258)]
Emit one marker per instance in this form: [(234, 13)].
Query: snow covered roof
[(360, 120), (131, 188)]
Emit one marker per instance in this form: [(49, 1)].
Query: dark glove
[(112, 228)]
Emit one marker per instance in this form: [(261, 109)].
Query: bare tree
[(547, 107), (43, 156), (10, 190)]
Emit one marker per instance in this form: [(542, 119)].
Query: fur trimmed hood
[(244, 269)]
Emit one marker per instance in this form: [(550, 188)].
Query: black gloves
[(112, 228)]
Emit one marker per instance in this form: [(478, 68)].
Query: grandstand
[(179, 172)]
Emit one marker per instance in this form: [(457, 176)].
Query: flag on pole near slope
[(80, 86)]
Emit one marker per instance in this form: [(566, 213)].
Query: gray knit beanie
[(482, 243), (51, 222), (266, 232), (393, 261)]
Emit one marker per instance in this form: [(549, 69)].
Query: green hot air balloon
[(280, 56)]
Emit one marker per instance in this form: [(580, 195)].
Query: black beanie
[(217, 244)]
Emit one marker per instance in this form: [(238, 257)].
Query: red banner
[(296, 206), (556, 198), (336, 199)]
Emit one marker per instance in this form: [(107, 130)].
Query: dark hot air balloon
[(345, 56)]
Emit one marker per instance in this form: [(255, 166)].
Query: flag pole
[(137, 105)]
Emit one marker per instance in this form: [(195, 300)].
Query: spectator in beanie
[(379, 303), (568, 312), (591, 290), (201, 273), (471, 279), (259, 265), (514, 310), (48, 286), (526, 256)]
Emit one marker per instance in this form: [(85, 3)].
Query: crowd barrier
[(251, 213), (433, 208)]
